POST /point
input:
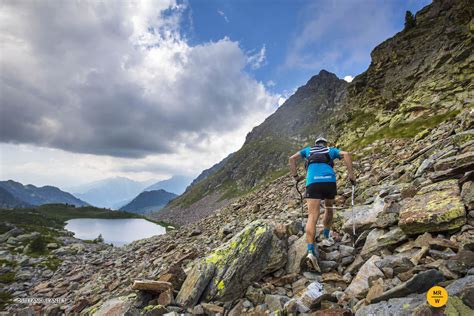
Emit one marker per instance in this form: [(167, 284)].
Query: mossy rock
[(435, 208), (225, 273)]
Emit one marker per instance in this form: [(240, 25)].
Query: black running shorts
[(321, 191)]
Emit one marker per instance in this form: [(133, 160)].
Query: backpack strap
[(319, 154)]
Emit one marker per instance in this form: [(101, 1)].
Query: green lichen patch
[(7, 278), (402, 129), (5, 300)]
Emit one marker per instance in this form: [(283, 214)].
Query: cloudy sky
[(149, 89)]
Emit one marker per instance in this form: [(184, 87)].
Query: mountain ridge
[(148, 201), (28, 195)]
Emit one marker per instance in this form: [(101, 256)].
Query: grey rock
[(371, 244), (461, 262), (360, 284), (467, 194), (364, 216), (397, 263), (327, 266), (275, 302), (407, 305), (346, 250), (332, 256), (296, 254), (419, 283)]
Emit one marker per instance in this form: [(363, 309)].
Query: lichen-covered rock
[(437, 207), (226, 273)]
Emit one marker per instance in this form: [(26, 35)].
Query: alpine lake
[(115, 231)]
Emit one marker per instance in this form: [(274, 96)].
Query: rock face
[(226, 273), (435, 208)]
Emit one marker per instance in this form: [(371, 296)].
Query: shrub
[(410, 20), (38, 245)]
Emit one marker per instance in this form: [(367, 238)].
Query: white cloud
[(117, 79), (348, 78), (271, 83), (258, 59), (222, 14)]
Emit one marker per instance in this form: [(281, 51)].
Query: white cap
[(320, 139)]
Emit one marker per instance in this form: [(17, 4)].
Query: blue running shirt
[(320, 172)]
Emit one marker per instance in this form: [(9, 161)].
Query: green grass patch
[(403, 130), (4, 228), (52, 263), (5, 300), (46, 218), (8, 263), (8, 277)]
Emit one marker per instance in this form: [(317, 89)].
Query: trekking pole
[(353, 218), (301, 201)]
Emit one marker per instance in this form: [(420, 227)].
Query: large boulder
[(419, 283), (364, 216), (415, 304), (455, 161), (226, 273), (296, 253), (437, 207), (371, 244), (360, 284)]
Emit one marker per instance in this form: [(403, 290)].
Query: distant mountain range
[(176, 184), (149, 201), (110, 193), (116, 192), (14, 194)]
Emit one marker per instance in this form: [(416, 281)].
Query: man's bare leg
[(328, 214), (313, 216), (327, 222)]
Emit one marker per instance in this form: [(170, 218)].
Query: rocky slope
[(418, 78), (25, 195), (395, 251), (414, 213)]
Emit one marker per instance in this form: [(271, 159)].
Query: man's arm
[(348, 162), (292, 164)]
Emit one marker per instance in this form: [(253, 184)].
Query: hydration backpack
[(319, 154)]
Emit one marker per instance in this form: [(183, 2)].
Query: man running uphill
[(320, 185)]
